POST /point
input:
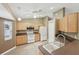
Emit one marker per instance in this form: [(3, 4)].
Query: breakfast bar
[(69, 49)]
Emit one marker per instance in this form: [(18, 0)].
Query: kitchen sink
[(50, 47)]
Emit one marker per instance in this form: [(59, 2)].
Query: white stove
[(31, 36)]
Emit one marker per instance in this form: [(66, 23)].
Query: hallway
[(28, 49)]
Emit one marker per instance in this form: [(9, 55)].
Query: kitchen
[(38, 28), (32, 30)]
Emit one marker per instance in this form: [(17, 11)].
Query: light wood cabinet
[(65, 23), (69, 23), (37, 37), (61, 25), (21, 39), (78, 23), (72, 22)]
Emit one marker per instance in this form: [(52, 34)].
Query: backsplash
[(73, 35)]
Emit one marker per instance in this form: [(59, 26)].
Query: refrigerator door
[(43, 33)]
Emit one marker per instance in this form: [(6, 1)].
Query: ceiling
[(30, 10)]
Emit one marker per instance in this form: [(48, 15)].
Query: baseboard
[(8, 50)]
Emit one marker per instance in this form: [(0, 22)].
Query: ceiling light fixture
[(51, 8), (19, 19), (35, 16)]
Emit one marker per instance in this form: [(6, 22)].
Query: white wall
[(4, 13), (72, 8), (51, 30)]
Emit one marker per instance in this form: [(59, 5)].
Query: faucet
[(63, 37)]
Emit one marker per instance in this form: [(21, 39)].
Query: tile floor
[(27, 49)]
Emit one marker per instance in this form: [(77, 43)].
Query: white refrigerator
[(43, 33)]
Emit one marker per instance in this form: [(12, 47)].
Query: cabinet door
[(72, 22), (78, 23), (65, 23), (57, 24), (61, 25), (21, 39), (37, 37)]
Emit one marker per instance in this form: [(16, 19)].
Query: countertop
[(69, 49), (24, 32)]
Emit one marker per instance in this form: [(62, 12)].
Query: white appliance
[(51, 30), (43, 33), (31, 36)]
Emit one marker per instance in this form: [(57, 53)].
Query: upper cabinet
[(78, 22), (69, 23), (65, 23), (72, 22), (61, 25)]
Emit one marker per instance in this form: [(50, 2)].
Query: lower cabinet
[(21, 39), (37, 37)]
